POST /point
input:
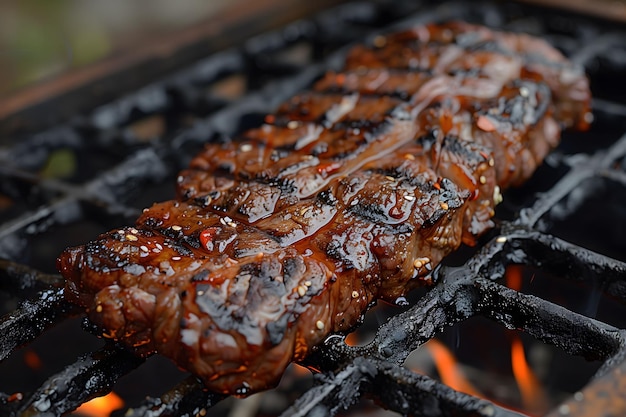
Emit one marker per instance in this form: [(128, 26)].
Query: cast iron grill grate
[(125, 155)]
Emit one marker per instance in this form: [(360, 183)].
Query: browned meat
[(463, 48), (350, 192)]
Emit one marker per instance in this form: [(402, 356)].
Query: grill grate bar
[(460, 295), (32, 318), (584, 170), (609, 107), (548, 322), (90, 376), (409, 393), (602, 45), (617, 176), (400, 389), (188, 398), (32, 152), (18, 279), (569, 261), (104, 192), (35, 221)]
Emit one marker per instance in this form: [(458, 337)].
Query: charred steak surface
[(351, 192)]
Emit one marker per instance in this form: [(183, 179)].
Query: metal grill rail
[(120, 170)]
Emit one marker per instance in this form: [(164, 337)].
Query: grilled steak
[(351, 192)]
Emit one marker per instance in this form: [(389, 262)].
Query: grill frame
[(470, 290)]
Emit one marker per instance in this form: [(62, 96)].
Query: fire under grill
[(563, 230)]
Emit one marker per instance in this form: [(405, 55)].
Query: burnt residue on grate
[(63, 186)]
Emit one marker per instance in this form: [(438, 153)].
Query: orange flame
[(532, 393), (531, 390), (514, 277), (32, 360), (100, 406), (450, 373)]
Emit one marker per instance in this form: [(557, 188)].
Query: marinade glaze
[(350, 192)]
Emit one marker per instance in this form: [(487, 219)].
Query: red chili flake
[(485, 124), (207, 236), (475, 195), (437, 186), (396, 213), (328, 168), (18, 396), (270, 119), (485, 155), (445, 121)]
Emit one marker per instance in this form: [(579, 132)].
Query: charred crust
[(319, 149), (290, 268), (401, 228), (168, 232), (337, 89), (215, 194), (200, 276), (370, 212), (187, 193), (203, 201), (286, 186), (326, 197), (276, 329), (378, 129), (391, 172), (352, 124), (192, 240), (252, 269), (281, 152), (401, 112), (467, 151), (488, 45), (519, 110), (434, 218), (335, 251), (153, 223), (428, 140), (465, 72), (226, 168)]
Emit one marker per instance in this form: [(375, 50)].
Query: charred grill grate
[(126, 155)]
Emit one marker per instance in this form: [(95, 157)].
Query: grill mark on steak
[(351, 192), (463, 46), (305, 174)]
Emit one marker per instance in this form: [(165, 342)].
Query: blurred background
[(41, 39), (77, 49)]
